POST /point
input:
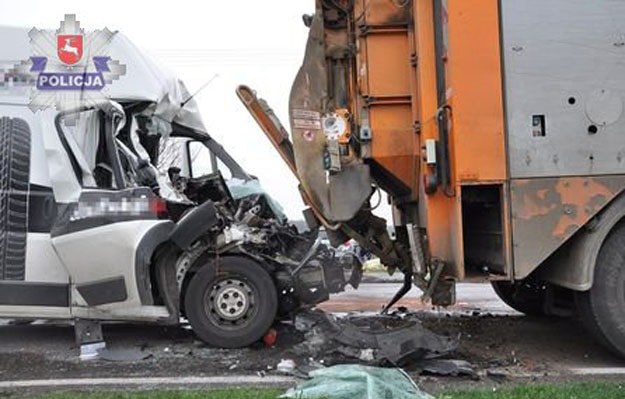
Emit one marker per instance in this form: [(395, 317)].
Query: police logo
[(64, 78)]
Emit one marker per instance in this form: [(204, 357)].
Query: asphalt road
[(371, 297), (502, 344)]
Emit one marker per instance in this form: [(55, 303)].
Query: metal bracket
[(89, 337), (441, 292), (416, 249), (88, 331)]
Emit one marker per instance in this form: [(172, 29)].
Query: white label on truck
[(305, 119)]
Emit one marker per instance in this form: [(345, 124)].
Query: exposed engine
[(304, 270)]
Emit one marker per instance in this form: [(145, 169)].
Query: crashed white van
[(130, 211)]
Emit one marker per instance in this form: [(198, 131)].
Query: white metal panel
[(104, 252), (42, 263), (565, 59), (35, 312)]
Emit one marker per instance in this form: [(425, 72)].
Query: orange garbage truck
[(495, 127)]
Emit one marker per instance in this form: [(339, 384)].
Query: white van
[(131, 211)]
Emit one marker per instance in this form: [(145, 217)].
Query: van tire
[(208, 304), (14, 187), (602, 308)]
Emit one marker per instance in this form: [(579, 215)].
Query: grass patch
[(594, 390), (171, 394)]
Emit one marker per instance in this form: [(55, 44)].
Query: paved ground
[(504, 347), (372, 297)]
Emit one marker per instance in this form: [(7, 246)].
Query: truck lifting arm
[(369, 230)]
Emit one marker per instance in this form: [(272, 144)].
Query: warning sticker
[(305, 119)]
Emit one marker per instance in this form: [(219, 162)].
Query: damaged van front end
[(129, 210)]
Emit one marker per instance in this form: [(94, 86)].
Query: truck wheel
[(14, 183), (233, 304), (524, 296), (602, 308)]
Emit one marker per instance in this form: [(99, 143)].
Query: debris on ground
[(544, 351), (447, 367), (123, 355), (286, 366), (270, 337), (91, 351), (380, 340), (356, 381)]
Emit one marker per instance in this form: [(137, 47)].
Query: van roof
[(145, 79)]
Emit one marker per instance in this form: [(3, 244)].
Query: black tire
[(14, 186), (213, 287), (526, 296), (602, 308)]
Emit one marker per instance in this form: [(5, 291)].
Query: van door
[(107, 227)]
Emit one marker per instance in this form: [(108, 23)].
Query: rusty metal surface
[(307, 94), (573, 266), (269, 123), (547, 212), (339, 196)]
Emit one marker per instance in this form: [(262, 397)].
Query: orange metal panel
[(387, 88), (393, 146), (389, 64), (474, 90), (441, 214), (383, 12)]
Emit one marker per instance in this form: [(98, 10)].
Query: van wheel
[(231, 305), (14, 181), (602, 308), (525, 296)]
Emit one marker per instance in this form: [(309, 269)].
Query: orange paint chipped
[(532, 208), (581, 199)]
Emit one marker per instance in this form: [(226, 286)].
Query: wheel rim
[(230, 302)]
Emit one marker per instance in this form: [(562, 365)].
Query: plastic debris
[(357, 381), (123, 355), (374, 340), (92, 351), (447, 367), (367, 355), (270, 337), (286, 366)]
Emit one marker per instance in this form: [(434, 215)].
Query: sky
[(259, 43)]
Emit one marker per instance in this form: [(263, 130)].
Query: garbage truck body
[(497, 130)]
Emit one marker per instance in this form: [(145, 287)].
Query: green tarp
[(357, 382)]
